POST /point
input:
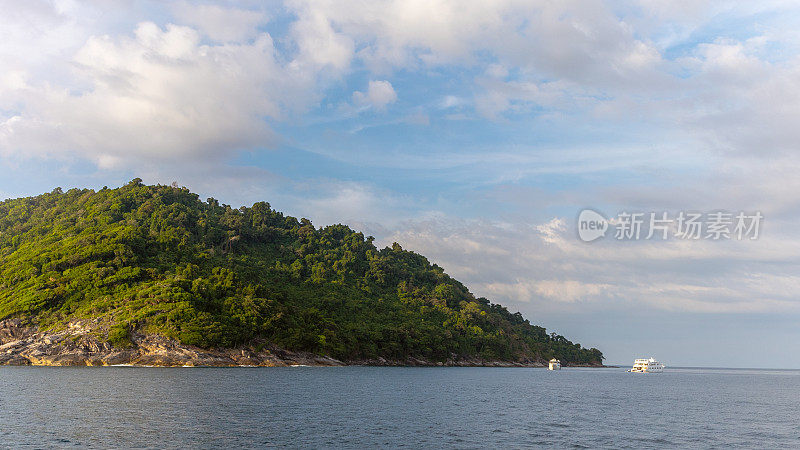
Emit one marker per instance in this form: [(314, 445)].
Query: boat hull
[(643, 365)]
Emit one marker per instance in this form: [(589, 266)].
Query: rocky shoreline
[(78, 344)]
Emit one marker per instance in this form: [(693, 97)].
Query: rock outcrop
[(83, 344)]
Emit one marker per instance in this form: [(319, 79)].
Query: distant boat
[(645, 365), (554, 364)]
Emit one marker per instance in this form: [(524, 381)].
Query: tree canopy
[(160, 260)]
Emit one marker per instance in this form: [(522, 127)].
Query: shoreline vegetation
[(152, 275), (77, 345)]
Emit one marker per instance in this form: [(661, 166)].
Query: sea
[(413, 407)]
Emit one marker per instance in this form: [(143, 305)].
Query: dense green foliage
[(158, 259)]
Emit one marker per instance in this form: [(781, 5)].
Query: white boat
[(554, 364), (647, 365)]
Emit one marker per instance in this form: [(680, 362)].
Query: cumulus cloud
[(320, 46), (160, 94), (379, 94), (219, 23), (577, 56), (575, 42), (518, 263), (557, 59)]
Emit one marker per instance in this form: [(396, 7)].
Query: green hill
[(157, 259)]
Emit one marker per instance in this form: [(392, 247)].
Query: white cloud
[(223, 24), (320, 46), (379, 94), (451, 101), (159, 95), (561, 59), (575, 41), (547, 265), (574, 57)]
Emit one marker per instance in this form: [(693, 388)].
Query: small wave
[(657, 441)]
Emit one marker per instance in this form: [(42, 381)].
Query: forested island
[(153, 275)]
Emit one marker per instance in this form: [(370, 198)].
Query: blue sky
[(472, 132)]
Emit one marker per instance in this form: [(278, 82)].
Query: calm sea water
[(393, 407)]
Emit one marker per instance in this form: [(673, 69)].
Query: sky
[(473, 132)]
